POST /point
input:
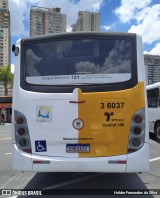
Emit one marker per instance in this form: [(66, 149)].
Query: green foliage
[(6, 77)]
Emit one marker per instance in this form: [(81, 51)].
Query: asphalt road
[(71, 183)]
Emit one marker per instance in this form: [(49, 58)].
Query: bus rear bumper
[(135, 162), (139, 161)]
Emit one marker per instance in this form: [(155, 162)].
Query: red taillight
[(41, 162), (131, 150), (121, 162), (117, 162), (21, 131), (22, 137), (37, 162), (138, 119), (27, 150), (137, 130), (20, 120)]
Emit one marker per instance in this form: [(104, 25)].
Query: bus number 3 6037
[(112, 105)]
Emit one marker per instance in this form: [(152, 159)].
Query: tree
[(6, 77)]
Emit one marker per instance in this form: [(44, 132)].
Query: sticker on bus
[(78, 123), (40, 146), (44, 114)]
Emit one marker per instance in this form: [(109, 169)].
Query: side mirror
[(15, 50)]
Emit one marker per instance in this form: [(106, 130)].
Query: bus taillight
[(138, 119), (23, 142), (21, 131), (19, 120), (136, 142), (137, 131), (22, 137)]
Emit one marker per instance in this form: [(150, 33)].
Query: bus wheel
[(157, 132)]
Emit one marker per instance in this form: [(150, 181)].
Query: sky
[(135, 16)]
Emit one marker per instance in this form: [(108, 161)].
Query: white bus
[(79, 104), (153, 96)]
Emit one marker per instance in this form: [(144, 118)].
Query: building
[(87, 21), (4, 33), (152, 68), (46, 21)]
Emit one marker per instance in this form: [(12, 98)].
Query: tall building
[(152, 67), (87, 21), (46, 21), (4, 33)]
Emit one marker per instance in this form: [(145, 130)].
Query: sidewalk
[(6, 123), (7, 127)]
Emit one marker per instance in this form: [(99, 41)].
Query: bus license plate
[(77, 148)]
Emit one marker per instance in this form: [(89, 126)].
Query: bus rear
[(79, 104)]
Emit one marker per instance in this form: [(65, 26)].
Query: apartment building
[(46, 21), (152, 68), (4, 33), (87, 21)]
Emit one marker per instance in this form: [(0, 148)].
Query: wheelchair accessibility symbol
[(40, 146)]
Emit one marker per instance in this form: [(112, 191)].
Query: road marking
[(8, 153), (13, 196), (71, 182), (9, 138), (154, 159), (10, 180)]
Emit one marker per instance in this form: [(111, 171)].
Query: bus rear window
[(78, 61)]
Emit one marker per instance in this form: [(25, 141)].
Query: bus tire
[(157, 132)]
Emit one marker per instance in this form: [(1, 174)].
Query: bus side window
[(153, 102), (153, 98)]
